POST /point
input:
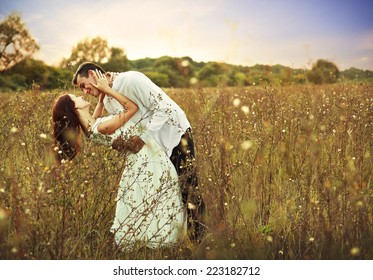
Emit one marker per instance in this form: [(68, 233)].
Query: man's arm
[(110, 126), (151, 98)]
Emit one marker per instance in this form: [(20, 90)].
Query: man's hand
[(135, 144)]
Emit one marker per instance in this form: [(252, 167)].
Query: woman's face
[(80, 102)]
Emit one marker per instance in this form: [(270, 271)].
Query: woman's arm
[(102, 84), (110, 126), (98, 110), (130, 108)]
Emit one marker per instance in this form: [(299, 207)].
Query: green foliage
[(117, 62), (355, 74), (16, 43), (30, 73), (143, 64), (323, 72), (179, 72), (159, 79), (95, 50)]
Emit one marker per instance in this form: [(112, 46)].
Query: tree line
[(18, 70)]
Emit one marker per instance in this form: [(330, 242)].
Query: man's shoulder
[(133, 77), (131, 73), (125, 77)]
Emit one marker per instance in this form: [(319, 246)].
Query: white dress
[(149, 208)]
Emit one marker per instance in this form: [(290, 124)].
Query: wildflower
[(245, 110), (14, 250), (185, 63), (193, 80), (233, 245), (355, 251), (311, 239), (2, 214), (23, 144), (191, 206), (245, 145), (14, 129), (43, 136), (269, 239), (236, 102)]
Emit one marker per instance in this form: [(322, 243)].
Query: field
[(286, 173)]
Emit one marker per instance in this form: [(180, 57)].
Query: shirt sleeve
[(144, 92)]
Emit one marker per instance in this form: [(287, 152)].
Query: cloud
[(237, 31), (366, 41), (154, 30)]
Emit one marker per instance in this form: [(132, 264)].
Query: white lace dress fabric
[(149, 209)]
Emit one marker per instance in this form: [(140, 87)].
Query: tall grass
[(285, 173)]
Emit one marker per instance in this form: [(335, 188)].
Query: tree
[(97, 50), (30, 72), (323, 71), (178, 70), (16, 43), (94, 50), (214, 74), (118, 61)]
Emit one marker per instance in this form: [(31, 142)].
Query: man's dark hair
[(83, 71)]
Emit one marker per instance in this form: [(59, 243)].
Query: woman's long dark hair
[(66, 127)]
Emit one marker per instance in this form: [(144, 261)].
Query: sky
[(293, 33)]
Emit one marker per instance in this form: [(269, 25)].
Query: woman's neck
[(86, 119)]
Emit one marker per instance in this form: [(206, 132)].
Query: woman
[(149, 207)]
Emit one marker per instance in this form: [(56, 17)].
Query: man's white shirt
[(162, 118)]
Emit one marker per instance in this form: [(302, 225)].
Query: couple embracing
[(158, 198)]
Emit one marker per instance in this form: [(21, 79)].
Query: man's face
[(85, 84)]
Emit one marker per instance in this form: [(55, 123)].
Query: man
[(163, 119)]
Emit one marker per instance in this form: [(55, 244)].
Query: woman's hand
[(102, 83), (120, 145), (134, 144), (101, 98)]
